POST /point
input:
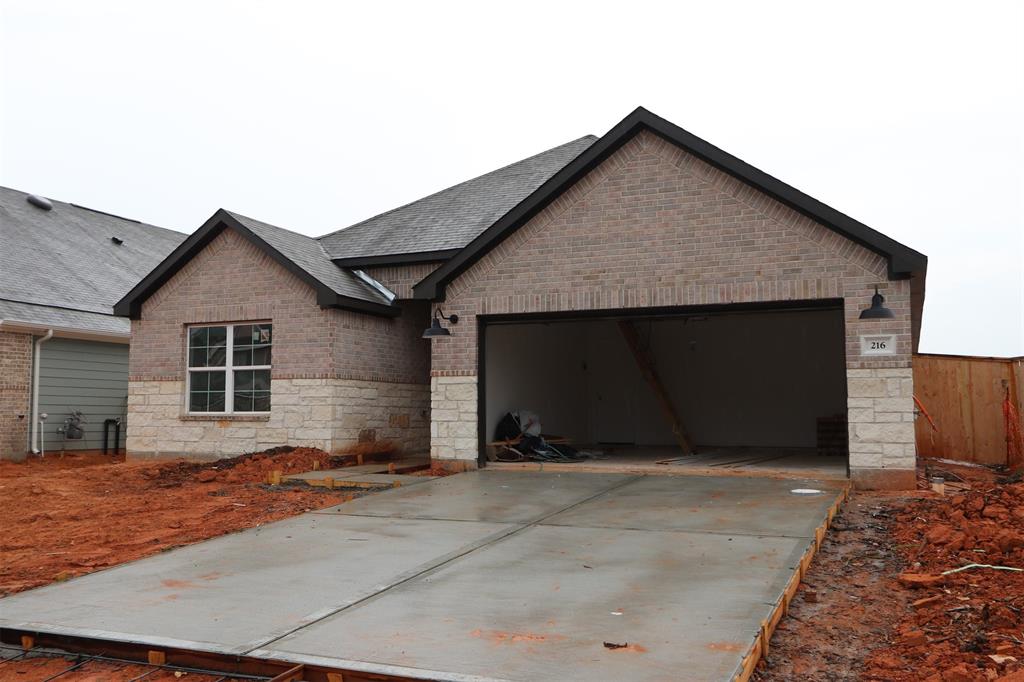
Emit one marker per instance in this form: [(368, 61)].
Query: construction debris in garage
[(519, 437)]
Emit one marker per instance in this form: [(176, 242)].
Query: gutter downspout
[(35, 388)]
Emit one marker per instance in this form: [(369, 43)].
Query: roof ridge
[(458, 184)]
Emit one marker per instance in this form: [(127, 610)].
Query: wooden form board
[(964, 396), (759, 648)]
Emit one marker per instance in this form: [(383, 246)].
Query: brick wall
[(382, 348), (401, 278), (655, 226), (15, 394), (232, 280)]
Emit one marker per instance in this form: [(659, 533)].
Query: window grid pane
[(252, 390), (207, 346), (227, 347), (206, 391), (252, 345)]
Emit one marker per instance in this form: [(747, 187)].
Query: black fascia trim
[(131, 304), (903, 261), (694, 310), (396, 259), (481, 392)]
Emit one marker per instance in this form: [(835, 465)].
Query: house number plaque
[(878, 344)]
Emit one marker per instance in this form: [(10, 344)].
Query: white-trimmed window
[(229, 368)]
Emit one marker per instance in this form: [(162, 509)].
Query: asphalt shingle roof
[(64, 258), (447, 220), (308, 254), (63, 318), (453, 217)]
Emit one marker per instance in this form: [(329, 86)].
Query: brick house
[(743, 297)]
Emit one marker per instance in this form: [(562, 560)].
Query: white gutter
[(20, 327), (35, 388)]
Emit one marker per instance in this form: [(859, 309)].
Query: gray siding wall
[(82, 375)]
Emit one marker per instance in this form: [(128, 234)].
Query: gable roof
[(62, 268), (301, 255), (435, 227), (903, 261)]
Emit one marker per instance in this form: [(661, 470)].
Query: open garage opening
[(751, 389)]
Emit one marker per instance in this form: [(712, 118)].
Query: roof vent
[(117, 240), (39, 202)]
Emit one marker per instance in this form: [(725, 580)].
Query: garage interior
[(757, 389)]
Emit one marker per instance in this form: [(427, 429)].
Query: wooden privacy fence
[(964, 396)]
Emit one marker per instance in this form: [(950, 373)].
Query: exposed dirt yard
[(65, 517), (72, 515), (875, 605)]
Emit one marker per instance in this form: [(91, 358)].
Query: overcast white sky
[(907, 116)]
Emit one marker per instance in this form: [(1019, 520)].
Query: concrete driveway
[(480, 576)]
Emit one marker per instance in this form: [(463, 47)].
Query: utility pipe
[(35, 387)]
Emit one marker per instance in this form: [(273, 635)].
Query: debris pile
[(965, 568)]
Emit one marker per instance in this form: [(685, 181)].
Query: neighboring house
[(62, 349), (745, 295)]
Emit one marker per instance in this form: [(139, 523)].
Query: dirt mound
[(965, 625), (254, 467)]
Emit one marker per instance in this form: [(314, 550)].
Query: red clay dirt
[(875, 605), (965, 626), (67, 516)]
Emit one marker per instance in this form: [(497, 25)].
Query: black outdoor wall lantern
[(435, 326), (877, 311)]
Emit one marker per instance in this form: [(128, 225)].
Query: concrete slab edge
[(759, 647), (125, 638), (213, 663), (372, 668)]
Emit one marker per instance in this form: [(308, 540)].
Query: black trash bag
[(507, 428)]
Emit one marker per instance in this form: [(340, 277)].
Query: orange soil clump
[(966, 626), (67, 516)]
